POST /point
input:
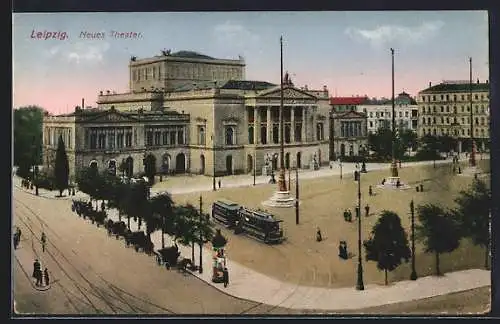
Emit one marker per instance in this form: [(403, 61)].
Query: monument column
[(269, 126), (292, 125)]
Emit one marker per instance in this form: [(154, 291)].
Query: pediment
[(231, 120), (111, 117), (200, 120), (351, 114), (288, 93)]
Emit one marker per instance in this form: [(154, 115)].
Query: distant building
[(187, 112), (348, 131), (445, 109), (379, 114)]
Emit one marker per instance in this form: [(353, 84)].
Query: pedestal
[(281, 199), (392, 183)]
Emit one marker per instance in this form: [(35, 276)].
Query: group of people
[(39, 275), (343, 250), (348, 215), (27, 184)]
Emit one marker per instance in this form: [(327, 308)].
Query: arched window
[(201, 134), (229, 136)]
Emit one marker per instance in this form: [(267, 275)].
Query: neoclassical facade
[(107, 139), (349, 134), (445, 109), (221, 126)]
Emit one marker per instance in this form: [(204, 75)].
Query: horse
[(183, 264)]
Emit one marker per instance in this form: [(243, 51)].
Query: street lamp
[(200, 268), (340, 164), (413, 275), (359, 283)]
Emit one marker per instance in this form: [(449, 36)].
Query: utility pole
[(472, 160), (200, 268), (394, 166), (413, 275), (297, 196)]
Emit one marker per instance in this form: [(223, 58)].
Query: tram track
[(94, 290)]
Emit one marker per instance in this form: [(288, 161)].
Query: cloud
[(388, 34), (235, 34), (80, 53)]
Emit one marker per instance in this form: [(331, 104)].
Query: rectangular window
[(172, 138), (149, 138), (180, 136), (165, 138), (157, 138)]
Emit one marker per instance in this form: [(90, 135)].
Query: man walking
[(37, 272), (225, 277), (44, 241), (46, 277), (219, 183), (367, 210)]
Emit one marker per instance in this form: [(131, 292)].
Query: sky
[(349, 52)]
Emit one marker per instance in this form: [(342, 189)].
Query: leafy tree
[(135, 202), (27, 122), (437, 230), (162, 214), (429, 147), (219, 241), (408, 139), (473, 214), (388, 245), (61, 168), (381, 143)]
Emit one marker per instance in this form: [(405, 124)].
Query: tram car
[(260, 225), (226, 212)]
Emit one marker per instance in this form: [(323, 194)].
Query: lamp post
[(254, 166), (297, 196), (413, 275), (213, 163), (200, 268), (359, 283), (340, 163)]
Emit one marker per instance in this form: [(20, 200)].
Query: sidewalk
[(248, 284)]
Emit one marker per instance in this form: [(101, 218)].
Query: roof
[(226, 84), (192, 54), (456, 87), (347, 100)]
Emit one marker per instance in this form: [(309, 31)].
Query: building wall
[(168, 72), (131, 101), (430, 105), (403, 116)]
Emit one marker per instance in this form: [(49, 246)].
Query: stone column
[(256, 125), (314, 127), (292, 126), (304, 123), (269, 126)]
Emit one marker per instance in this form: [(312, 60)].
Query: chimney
[(325, 89), (477, 81), (486, 81), (430, 84), (83, 103)]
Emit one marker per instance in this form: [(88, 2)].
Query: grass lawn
[(302, 260)]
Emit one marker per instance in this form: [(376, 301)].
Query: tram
[(226, 212), (260, 225)]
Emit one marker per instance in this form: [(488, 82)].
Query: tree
[(135, 202), (437, 230), (388, 245), (61, 168), (381, 143), (429, 147), (218, 241), (162, 206), (27, 136), (473, 214), (408, 139)]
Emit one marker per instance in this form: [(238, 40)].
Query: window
[(201, 135), (447, 109), (482, 96), (463, 97), (406, 114), (128, 140), (434, 109), (442, 97), (250, 135), (442, 109), (476, 97), (454, 97), (149, 138), (447, 97), (447, 120), (371, 124), (287, 133), (93, 140), (381, 114), (428, 120), (400, 114), (111, 141), (263, 135), (275, 134), (172, 138), (229, 136), (319, 132), (429, 109), (434, 120), (477, 109), (433, 98), (180, 137), (462, 108), (165, 138), (477, 121), (463, 120), (482, 109), (371, 114), (377, 114), (482, 120), (157, 138), (442, 120)]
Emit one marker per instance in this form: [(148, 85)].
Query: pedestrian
[(398, 184), (103, 206), (43, 240), (421, 188), (370, 191), (367, 210), (37, 271), (400, 164), (219, 183), (383, 181), (346, 215), (349, 215), (46, 277), (16, 240), (225, 277), (319, 238)]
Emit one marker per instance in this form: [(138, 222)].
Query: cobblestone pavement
[(83, 261)]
